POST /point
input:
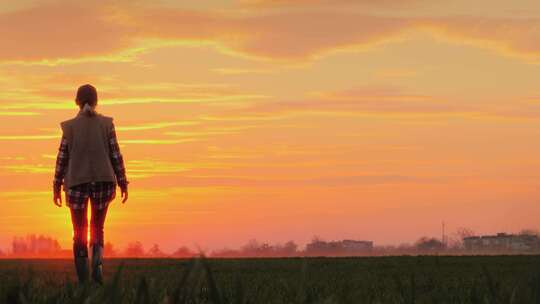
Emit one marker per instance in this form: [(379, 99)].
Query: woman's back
[(88, 145)]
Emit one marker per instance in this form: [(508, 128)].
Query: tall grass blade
[(492, 287), (113, 292), (179, 295), (143, 293), (215, 295)]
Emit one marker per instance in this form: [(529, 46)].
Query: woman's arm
[(62, 160), (118, 163)]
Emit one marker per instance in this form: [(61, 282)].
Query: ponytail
[(87, 95)]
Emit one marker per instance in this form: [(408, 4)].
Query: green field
[(424, 279)]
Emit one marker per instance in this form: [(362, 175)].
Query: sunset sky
[(279, 119)]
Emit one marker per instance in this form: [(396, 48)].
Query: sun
[(87, 236)]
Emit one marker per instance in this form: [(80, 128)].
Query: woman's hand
[(124, 195), (57, 199)]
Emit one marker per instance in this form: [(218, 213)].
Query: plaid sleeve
[(62, 160), (117, 160)]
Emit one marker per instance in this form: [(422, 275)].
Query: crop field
[(405, 279)]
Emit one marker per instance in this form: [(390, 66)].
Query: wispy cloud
[(275, 35), (323, 181), (30, 137), (151, 167), (172, 100), (158, 141), (15, 113), (29, 168), (512, 36), (239, 71), (359, 100), (61, 31), (155, 125), (380, 101), (334, 3), (23, 194), (57, 92), (199, 134)]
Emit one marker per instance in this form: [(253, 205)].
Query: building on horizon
[(502, 242)]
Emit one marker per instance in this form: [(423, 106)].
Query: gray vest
[(88, 146)]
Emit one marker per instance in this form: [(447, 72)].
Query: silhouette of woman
[(89, 165)]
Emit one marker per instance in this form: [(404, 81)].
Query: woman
[(89, 165)]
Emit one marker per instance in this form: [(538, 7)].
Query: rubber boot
[(97, 263), (81, 263)]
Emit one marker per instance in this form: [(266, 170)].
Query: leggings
[(79, 219)]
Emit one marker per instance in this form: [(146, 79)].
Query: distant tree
[(317, 246), (183, 252), (265, 249), (316, 239), (108, 250), (429, 244), (464, 232), (251, 248), (455, 241), (255, 248), (156, 252), (35, 245), (384, 249), (134, 249), (404, 246), (289, 249), (19, 246), (226, 253)]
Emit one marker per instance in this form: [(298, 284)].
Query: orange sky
[(280, 119)]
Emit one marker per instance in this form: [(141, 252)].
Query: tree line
[(34, 245)]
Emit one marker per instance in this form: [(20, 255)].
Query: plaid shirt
[(101, 193)]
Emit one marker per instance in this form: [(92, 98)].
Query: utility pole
[(443, 241)]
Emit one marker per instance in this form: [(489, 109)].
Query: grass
[(422, 279)]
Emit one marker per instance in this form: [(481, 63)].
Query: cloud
[(24, 194), (324, 181), (199, 133), (15, 113), (30, 137), (237, 71), (157, 141), (123, 128), (61, 30), (119, 31), (385, 101), (113, 90), (152, 167), (379, 100), (284, 35), (511, 36), (304, 3), (28, 168), (43, 93), (368, 180), (67, 31), (155, 125)]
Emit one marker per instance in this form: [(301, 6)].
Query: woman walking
[(89, 165)]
